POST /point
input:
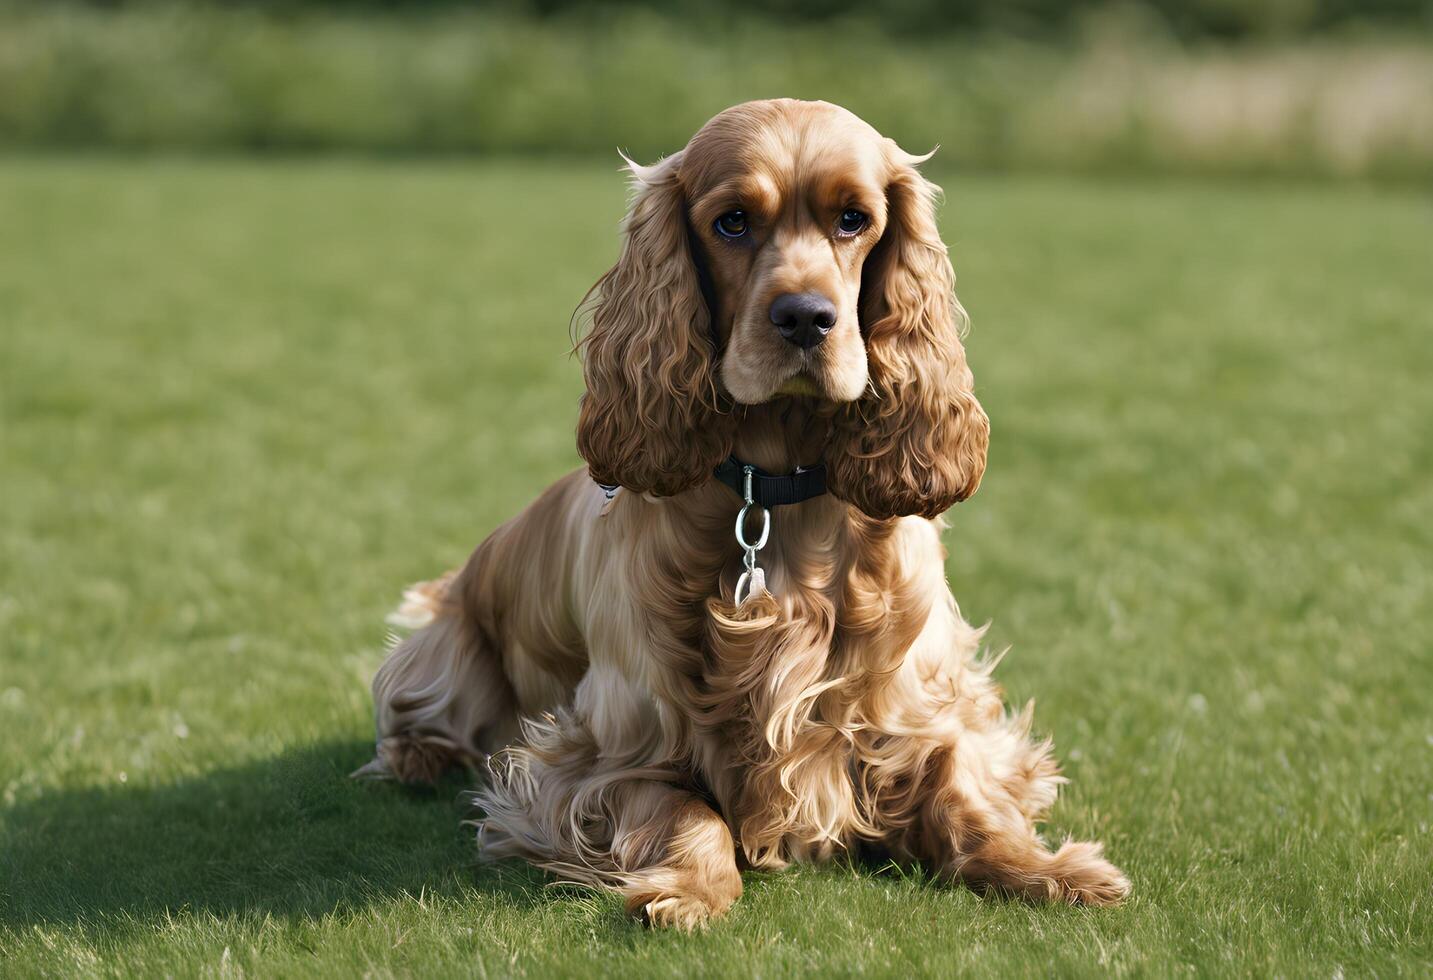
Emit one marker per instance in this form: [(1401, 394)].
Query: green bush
[(225, 79), (1032, 18)]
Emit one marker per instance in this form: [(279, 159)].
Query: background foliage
[(1186, 18), (1161, 87)]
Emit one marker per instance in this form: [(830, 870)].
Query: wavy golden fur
[(640, 730)]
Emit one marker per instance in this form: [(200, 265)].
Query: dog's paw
[(1083, 876), (683, 912)]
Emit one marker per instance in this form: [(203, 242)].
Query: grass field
[(243, 404)]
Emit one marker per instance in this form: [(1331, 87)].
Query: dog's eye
[(852, 222), (732, 224)]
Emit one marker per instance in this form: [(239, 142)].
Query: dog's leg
[(968, 806), (442, 699), (597, 809), (677, 857), (1019, 863), (952, 779)]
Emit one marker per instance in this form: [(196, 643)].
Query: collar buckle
[(768, 489)]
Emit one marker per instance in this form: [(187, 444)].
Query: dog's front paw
[(684, 912), (1085, 877)]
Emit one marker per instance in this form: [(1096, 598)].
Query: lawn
[(244, 403)]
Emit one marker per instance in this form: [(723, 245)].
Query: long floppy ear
[(915, 444), (653, 419)]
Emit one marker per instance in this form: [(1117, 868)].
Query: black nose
[(803, 319)]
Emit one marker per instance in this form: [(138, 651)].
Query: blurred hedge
[(1187, 19), (247, 78)]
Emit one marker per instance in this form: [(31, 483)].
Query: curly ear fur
[(653, 419), (915, 444)]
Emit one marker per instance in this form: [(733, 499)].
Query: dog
[(729, 642)]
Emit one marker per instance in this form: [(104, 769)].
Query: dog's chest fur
[(783, 681)]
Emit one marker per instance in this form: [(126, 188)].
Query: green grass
[(243, 404)]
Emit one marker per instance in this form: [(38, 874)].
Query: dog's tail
[(421, 602), (419, 607)]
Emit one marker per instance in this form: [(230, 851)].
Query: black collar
[(770, 490)]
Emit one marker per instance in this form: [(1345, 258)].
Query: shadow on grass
[(287, 836)]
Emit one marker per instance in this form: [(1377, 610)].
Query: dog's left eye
[(732, 224), (852, 222)]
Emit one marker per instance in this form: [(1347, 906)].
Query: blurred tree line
[(1317, 87), (1183, 19)]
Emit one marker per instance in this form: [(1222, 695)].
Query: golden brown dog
[(782, 297)]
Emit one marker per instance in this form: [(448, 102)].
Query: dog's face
[(785, 206), (788, 250)]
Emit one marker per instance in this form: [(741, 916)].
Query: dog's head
[(788, 250)]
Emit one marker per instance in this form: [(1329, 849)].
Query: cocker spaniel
[(663, 692)]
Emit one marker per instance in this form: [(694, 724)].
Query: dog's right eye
[(732, 224)]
